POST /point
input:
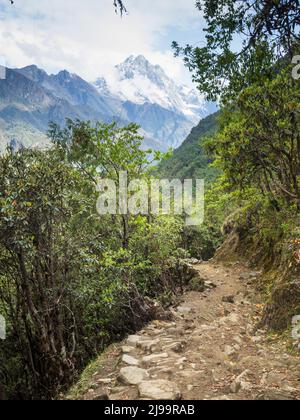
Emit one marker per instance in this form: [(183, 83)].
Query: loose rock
[(154, 358), (159, 390), (149, 346), (228, 299), (133, 375), (229, 351), (127, 349), (132, 340), (275, 395), (210, 285), (131, 361)]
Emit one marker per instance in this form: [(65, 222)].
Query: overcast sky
[(86, 36)]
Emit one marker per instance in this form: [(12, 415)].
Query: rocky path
[(210, 351)]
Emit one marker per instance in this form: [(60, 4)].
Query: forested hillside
[(191, 160)]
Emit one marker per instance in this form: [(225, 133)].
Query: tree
[(259, 144), (72, 281), (41, 199), (269, 30), (118, 5), (104, 150)]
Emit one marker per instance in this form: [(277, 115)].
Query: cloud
[(86, 37)]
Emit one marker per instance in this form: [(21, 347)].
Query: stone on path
[(184, 310), (159, 390), (105, 381), (123, 393), (127, 349), (232, 319), (272, 394), (228, 299), (221, 398), (133, 375), (149, 345), (240, 383), (132, 340), (101, 397), (155, 358), (201, 352), (210, 285), (176, 347), (238, 340), (129, 360), (229, 351)]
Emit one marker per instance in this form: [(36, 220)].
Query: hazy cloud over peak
[(88, 38)]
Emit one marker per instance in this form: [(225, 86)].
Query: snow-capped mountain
[(137, 91), (139, 82)]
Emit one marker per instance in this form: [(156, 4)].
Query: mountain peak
[(139, 66), (64, 75), (137, 91), (139, 81), (33, 72), (136, 59), (32, 67)]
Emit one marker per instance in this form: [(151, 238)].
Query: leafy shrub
[(71, 282)]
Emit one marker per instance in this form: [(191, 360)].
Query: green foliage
[(102, 150), (190, 160), (269, 31), (257, 152), (259, 144), (71, 282), (203, 241), (42, 202)]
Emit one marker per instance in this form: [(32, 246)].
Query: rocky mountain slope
[(137, 92)]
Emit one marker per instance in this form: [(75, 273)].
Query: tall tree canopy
[(267, 30), (259, 143)]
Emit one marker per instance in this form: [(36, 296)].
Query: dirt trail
[(210, 351)]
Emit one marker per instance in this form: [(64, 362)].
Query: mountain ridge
[(30, 98), (139, 81)]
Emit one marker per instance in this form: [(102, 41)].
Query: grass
[(84, 382)]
